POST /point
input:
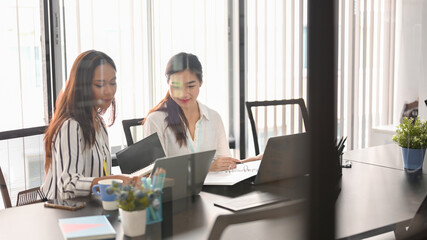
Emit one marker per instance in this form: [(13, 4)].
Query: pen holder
[(154, 211), (340, 164)]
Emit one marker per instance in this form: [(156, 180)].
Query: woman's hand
[(127, 179), (223, 163), (250, 159)]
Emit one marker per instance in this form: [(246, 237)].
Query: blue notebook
[(90, 227)]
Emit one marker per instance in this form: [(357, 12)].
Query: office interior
[(371, 64)]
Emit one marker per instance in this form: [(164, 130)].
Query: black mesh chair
[(249, 105), (127, 124)]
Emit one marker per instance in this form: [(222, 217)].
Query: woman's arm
[(70, 162)]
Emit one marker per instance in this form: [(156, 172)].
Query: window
[(22, 94), (141, 36)]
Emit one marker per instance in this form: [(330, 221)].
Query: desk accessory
[(89, 227), (340, 148)]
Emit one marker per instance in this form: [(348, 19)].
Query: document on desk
[(230, 177)]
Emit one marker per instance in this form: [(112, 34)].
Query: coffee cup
[(108, 200)]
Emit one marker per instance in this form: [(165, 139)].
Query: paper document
[(144, 171), (230, 177)]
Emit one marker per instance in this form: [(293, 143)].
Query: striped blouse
[(74, 166)]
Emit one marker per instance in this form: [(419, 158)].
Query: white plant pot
[(133, 222)]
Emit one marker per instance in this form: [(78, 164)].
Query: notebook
[(89, 227), (140, 155), (284, 157), (188, 172)]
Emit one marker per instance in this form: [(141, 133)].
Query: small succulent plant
[(134, 198), (411, 133)]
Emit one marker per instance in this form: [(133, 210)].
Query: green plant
[(134, 198), (411, 133)]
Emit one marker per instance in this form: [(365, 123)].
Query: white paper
[(231, 177)]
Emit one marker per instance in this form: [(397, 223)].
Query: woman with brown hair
[(183, 124), (76, 141)]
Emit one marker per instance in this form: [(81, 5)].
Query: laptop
[(188, 172), (284, 157), (140, 154)]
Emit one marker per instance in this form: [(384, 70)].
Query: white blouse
[(209, 134), (73, 166)]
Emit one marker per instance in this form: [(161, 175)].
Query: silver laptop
[(284, 157), (188, 172)]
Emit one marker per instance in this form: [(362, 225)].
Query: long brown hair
[(77, 102), (176, 119)]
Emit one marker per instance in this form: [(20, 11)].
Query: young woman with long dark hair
[(183, 124), (76, 141)]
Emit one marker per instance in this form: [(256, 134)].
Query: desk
[(377, 193), (193, 217), (389, 155), (373, 198)]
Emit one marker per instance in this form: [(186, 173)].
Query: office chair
[(25, 197), (250, 105), (267, 212), (127, 124)]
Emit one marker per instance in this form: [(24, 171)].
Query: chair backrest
[(127, 124), (249, 105), (267, 212), (29, 196), (4, 191)]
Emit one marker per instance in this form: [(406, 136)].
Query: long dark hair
[(176, 119), (77, 101)]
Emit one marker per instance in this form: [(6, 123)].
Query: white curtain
[(366, 68), (366, 73), (277, 33), (21, 93), (141, 36)]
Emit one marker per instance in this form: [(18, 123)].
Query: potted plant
[(411, 136), (133, 203)]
